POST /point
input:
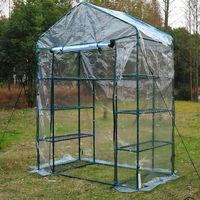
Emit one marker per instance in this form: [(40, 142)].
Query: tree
[(152, 13), (184, 57), (193, 24), (181, 62), (166, 12), (167, 7), (28, 20), (148, 11), (5, 70)]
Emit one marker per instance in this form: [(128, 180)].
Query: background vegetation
[(18, 36), (28, 19)]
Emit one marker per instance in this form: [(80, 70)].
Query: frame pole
[(37, 115), (79, 111), (153, 124), (93, 124), (173, 130), (138, 114), (52, 114), (115, 143)]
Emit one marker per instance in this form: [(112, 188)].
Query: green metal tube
[(93, 123), (153, 124), (37, 112), (79, 111), (173, 130), (138, 113), (52, 115)]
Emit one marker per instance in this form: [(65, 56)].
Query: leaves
[(18, 37), (148, 11)]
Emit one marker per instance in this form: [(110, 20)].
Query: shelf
[(73, 136), (123, 77), (142, 76), (144, 146), (75, 78), (68, 107), (143, 111)]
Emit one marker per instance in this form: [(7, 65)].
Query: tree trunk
[(166, 11), (191, 86)]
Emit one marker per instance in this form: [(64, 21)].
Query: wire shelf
[(61, 138), (144, 146)]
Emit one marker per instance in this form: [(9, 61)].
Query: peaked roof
[(87, 23), (141, 26)]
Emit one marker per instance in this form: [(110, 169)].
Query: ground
[(17, 154)]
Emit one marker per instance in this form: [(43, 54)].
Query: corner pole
[(114, 102), (37, 113), (93, 123), (137, 113), (79, 111), (173, 130), (52, 114), (153, 124)]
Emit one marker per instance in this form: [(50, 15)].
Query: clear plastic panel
[(163, 93), (65, 122), (145, 129), (87, 92), (163, 159), (126, 94), (163, 127), (99, 64), (104, 124), (65, 93), (65, 152), (146, 94), (86, 147), (45, 156), (44, 132), (44, 94), (126, 57), (44, 63), (66, 65)]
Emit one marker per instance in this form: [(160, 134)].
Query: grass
[(17, 154)]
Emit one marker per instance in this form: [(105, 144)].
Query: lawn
[(17, 154)]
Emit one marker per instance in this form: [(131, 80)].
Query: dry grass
[(8, 97)]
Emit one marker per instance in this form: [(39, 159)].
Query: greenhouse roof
[(88, 23), (143, 27)]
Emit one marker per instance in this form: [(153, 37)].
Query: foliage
[(148, 11), (184, 44), (18, 37)]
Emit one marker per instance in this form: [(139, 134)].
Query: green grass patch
[(17, 154)]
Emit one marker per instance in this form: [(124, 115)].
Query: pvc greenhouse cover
[(105, 98)]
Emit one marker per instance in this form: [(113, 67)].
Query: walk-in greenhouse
[(105, 109)]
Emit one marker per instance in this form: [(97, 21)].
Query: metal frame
[(138, 146)]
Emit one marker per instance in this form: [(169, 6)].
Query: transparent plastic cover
[(91, 88)]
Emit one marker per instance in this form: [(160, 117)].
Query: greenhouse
[(105, 108)]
